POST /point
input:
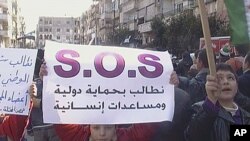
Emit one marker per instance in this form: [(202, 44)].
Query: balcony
[(3, 17), (129, 6), (4, 33), (169, 13), (14, 4), (14, 17), (145, 27), (132, 26), (106, 25), (4, 3), (106, 15), (195, 3), (90, 31)]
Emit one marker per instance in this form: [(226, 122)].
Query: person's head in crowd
[(187, 58), (194, 66), (232, 55), (227, 79), (196, 55), (202, 61), (242, 49), (225, 53), (246, 63), (103, 132)]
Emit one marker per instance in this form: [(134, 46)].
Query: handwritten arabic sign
[(16, 74), (106, 85)]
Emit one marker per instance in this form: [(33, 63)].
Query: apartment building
[(10, 23), (137, 15), (91, 22), (60, 29), (106, 22)]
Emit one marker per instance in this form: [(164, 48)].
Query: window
[(58, 37), (68, 22), (50, 22), (67, 30), (67, 37), (46, 36), (140, 20), (41, 29), (41, 36), (180, 7), (46, 29), (58, 30), (46, 22), (77, 23)]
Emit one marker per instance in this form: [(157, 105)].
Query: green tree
[(218, 26), (159, 30), (118, 36), (183, 31)]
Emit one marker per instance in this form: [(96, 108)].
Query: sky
[(32, 9)]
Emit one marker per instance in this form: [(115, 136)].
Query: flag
[(239, 20)]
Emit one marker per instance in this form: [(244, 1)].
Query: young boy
[(213, 117)]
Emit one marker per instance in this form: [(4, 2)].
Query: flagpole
[(207, 37)]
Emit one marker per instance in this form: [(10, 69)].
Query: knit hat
[(225, 50)]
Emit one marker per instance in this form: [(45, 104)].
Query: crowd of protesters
[(205, 106)]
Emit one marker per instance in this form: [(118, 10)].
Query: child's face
[(103, 132), (228, 85)]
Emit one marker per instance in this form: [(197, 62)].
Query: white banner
[(16, 74), (106, 85)]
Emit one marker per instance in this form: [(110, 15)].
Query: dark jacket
[(36, 116), (196, 86), (184, 65), (207, 126), (173, 131), (244, 83), (243, 101)]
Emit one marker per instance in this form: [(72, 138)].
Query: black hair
[(232, 55), (242, 49), (202, 56), (226, 67)]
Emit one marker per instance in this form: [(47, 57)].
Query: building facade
[(60, 29), (11, 23), (105, 16)]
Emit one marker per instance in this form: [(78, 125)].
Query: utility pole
[(95, 27), (94, 4), (114, 22)]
